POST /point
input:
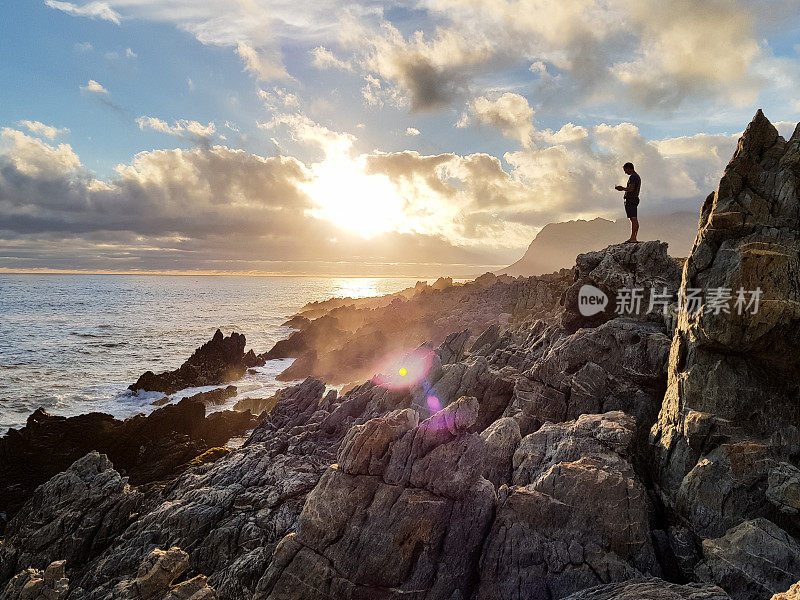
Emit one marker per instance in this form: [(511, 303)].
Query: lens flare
[(434, 404), (404, 370)]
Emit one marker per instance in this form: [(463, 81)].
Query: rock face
[(726, 440), (220, 360), (145, 448), (652, 589), (575, 516), (155, 577), (753, 560), (420, 503), (34, 584), (73, 517)]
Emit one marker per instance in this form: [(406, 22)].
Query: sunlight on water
[(356, 288), (73, 343)]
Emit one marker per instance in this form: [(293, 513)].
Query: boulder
[(651, 589), (35, 584), (220, 360), (72, 517), (576, 515), (154, 580), (751, 561), (618, 270), (406, 509)]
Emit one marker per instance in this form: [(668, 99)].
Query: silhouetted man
[(631, 199)]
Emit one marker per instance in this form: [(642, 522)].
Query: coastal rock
[(651, 589), (501, 440), (752, 561), (730, 415), (347, 340), (644, 266), (149, 448), (35, 584), (72, 517), (154, 581), (619, 365), (576, 515), (783, 488), (256, 405), (220, 360), (421, 515), (231, 514)]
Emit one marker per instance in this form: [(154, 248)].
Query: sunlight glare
[(354, 200)]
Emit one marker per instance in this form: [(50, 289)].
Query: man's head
[(628, 168)]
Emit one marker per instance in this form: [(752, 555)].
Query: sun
[(352, 199)]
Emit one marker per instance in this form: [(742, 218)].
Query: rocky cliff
[(636, 452)]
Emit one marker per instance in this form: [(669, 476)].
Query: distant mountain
[(557, 244)]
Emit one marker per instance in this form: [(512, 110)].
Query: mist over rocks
[(344, 342), (539, 458)]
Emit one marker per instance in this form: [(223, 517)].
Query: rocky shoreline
[(543, 454)]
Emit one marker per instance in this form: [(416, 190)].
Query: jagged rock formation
[(551, 536), (551, 456), (154, 580), (220, 360), (73, 517), (421, 486), (148, 448), (35, 584), (728, 429)]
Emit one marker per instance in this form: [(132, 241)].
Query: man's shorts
[(631, 207)]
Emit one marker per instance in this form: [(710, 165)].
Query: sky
[(417, 137)]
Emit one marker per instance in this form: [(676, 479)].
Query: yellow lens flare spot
[(403, 372)]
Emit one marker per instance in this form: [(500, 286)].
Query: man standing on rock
[(631, 199)]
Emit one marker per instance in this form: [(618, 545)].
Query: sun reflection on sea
[(355, 288)]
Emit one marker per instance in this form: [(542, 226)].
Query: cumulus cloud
[(94, 87), (509, 112), (216, 207), (207, 208), (412, 131), (39, 128), (92, 10), (278, 98), (180, 127), (430, 72)]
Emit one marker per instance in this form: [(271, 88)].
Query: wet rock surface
[(220, 360)]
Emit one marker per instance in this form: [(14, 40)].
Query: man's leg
[(634, 228)]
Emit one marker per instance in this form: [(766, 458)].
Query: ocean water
[(73, 343)]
